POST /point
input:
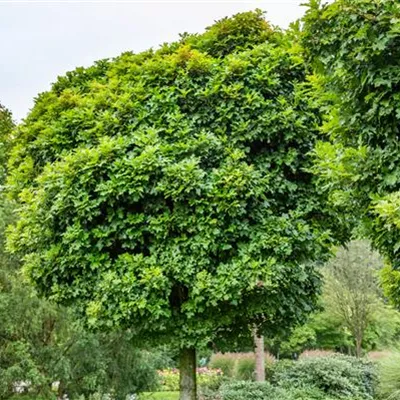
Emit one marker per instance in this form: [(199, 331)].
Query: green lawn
[(160, 396)]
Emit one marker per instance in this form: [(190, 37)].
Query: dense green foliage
[(171, 196), (6, 206), (320, 378), (265, 391), (355, 47), (6, 126), (41, 343), (166, 191), (247, 390), (336, 375)]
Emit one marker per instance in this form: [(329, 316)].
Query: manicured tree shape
[(355, 47), (167, 193)]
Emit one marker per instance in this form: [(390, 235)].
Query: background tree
[(355, 316), (351, 288), (355, 48), (41, 344), (166, 192)]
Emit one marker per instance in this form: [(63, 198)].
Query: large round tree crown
[(168, 191)]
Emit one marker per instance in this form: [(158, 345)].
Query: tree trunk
[(260, 357), (359, 346), (187, 370)]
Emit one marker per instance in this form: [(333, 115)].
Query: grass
[(389, 377), (160, 396)]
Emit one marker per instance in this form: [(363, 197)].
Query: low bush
[(207, 393), (279, 367), (249, 391), (338, 376), (265, 391), (309, 393)]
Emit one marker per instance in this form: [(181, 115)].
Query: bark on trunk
[(358, 346), (187, 378), (260, 358)]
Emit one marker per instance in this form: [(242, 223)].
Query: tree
[(354, 46), (41, 344), (351, 288), (355, 316), (167, 192)]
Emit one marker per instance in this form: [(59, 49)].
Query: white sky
[(44, 39)]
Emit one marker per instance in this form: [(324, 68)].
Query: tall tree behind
[(351, 288), (354, 46)]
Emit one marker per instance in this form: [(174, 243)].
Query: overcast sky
[(44, 39)]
